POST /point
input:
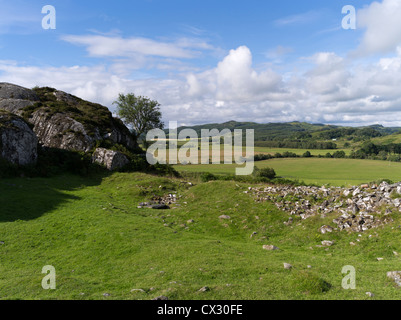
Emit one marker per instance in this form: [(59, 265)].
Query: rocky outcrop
[(61, 120), (18, 143), (14, 98), (357, 209), (112, 160), (61, 131)]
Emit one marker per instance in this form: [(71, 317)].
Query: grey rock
[(327, 243), (64, 129), (61, 131), (395, 276), (225, 217), (18, 143), (270, 248), (287, 266), (112, 160), (325, 229), (12, 91)]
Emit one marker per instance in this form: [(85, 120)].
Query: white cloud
[(297, 19), (383, 27), (116, 46), (234, 79), (333, 89)]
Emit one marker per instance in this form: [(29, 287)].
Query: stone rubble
[(358, 208), (158, 202)]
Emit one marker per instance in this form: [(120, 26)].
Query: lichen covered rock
[(112, 160), (18, 143), (14, 98)]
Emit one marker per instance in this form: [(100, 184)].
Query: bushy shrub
[(339, 154), (207, 176), (267, 172)]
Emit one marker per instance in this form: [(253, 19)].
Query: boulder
[(112, 160), (18, 143)]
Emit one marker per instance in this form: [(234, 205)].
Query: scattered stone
[(327, 243), (204, 289), (270, 248), (380, 259), (191, 221), (360, 211), (106, 294), (325, 229), (138, 290), (225, 217), (395, 276), (287, 266), (370, 294)]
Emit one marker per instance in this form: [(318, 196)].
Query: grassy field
[(99, 242), (337, 172)]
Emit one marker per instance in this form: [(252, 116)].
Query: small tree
[(141, 113)]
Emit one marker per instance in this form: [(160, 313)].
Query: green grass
[(337, 172), (92, 232)]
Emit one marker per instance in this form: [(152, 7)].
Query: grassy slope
[(99, 242), (314, 170), (393, 138)]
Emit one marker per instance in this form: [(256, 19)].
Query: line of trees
[(293, 144), (369, 150)]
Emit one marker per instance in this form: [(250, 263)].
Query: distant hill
[(301, 131)]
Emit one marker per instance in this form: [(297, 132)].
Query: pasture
[(336, 172)]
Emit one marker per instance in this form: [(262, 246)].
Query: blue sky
[(214, 61)]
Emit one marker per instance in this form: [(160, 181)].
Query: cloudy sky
[(214, 61)]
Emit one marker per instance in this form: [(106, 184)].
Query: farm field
[(337, 172)]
